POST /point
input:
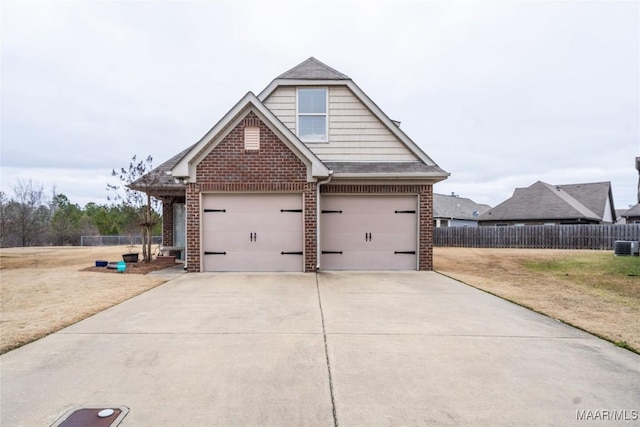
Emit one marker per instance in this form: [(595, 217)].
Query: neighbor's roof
[(542, 201), (448, 206), (634, 211), (312, 69), (593, 195)]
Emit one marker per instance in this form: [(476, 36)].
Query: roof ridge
[(313, 69), (569, 199)]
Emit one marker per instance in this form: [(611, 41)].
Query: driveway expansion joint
[(326, 353)]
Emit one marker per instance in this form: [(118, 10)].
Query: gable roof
[(185, 168), (170, 176), (313, 72), (542, 201), (456, 207), (312, 69)]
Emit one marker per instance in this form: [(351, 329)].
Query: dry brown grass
[(44, 290), (572, 286)]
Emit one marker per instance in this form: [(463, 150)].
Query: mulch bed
[(135, 268)]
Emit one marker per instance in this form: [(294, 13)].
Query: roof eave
[(434, 177)]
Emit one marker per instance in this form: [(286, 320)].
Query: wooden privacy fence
[(537, 236)]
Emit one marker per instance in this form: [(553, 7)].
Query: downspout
[(318, 217)]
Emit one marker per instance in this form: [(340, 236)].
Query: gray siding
[(355, 133), (282, 103)]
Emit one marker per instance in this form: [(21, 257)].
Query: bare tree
[(128, 194), (29, 213), (4, 218)]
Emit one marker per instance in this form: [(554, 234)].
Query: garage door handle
[(215, 253), (405, 252), (367, 237), (290, 253), (332, 252), (253, 237)]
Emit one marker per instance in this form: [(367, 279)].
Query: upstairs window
[(312, 114)]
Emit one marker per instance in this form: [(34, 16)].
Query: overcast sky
[(499, 94)]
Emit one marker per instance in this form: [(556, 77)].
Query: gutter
[(318, 217)]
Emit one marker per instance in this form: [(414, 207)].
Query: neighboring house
[(546, 204), (312, 138), (632, 215), (619, 218), (455, 211)]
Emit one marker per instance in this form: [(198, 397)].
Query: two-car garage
[(265, 232)]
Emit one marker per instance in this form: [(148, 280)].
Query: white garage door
[(368, 232), (255, 232)]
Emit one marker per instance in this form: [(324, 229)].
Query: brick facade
[(167, 222), (231, 168), (425, 261), (275, 168)]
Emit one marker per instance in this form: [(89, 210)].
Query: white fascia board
[(186, 167), (359, 93), (182, 169)]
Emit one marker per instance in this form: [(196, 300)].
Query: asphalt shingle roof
[(542, 201), (446, 206), (160, 178), (634, 211), (374, 168), (312, 69)]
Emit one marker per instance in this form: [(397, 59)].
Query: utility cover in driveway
[(368, 232), (252, 232)]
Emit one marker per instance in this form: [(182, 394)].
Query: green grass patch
[(597, 263), (595, 270)]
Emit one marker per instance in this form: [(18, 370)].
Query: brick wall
[(310, 236), (425, 193), (425, 261), (231, 168), (192, 207), (167, 222)]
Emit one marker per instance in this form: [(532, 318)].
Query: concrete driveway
[(348, 349)]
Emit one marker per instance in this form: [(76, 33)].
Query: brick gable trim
[(229, 168), (185, 168)]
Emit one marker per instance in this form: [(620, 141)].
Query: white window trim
[(326, 115)]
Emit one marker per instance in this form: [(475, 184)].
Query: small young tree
[(128, 196)]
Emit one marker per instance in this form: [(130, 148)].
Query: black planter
[(130, 258)]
